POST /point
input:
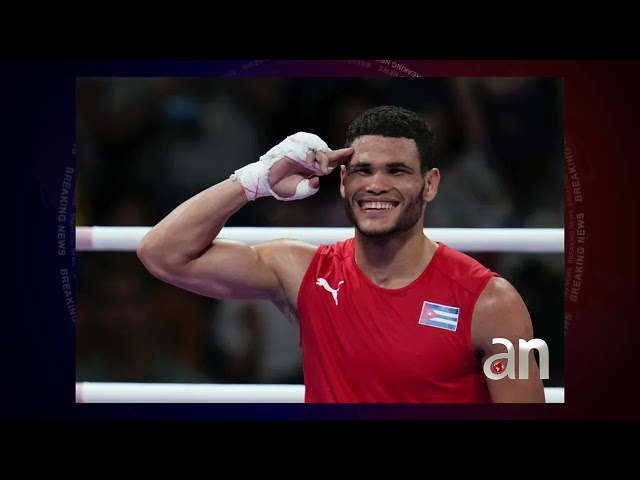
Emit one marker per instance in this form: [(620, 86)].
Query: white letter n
[(543, 350)]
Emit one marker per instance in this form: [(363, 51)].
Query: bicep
[(501, 313), (229, 270)]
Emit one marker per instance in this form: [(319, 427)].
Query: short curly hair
[(398, 122)]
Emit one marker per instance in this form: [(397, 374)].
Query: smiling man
[(388, 316)]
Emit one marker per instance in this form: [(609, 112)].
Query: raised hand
[(291, 178), (290, 170)]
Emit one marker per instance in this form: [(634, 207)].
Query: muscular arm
[(501, 312), (182, 250)]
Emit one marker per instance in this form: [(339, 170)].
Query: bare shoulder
[(500, 311), (286, 253), (499, 293), (289, 260)]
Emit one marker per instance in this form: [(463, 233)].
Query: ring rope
[(538, 240), (129, 392)]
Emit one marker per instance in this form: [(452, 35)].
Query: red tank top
[(364, 343)]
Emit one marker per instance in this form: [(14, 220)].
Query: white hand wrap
[(254, 177)]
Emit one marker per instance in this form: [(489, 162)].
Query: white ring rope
[(126, 392), (540, 240)]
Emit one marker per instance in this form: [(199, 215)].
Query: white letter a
[(508, 358)]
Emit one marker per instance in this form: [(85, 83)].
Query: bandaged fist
[(290, 170), (305, 158)]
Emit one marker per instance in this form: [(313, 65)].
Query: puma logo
[(324, 284)]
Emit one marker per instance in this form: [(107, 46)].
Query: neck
[(395, 261)]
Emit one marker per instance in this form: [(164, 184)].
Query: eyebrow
[(388, 166), (398, 165)]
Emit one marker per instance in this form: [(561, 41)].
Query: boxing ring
[(105, 238)]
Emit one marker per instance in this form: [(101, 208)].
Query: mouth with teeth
[(377, 206)]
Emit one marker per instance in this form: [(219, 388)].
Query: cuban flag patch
[(439, 316)]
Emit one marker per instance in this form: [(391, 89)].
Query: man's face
[(382, 186)]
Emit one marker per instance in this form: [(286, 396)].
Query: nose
[(378, 183)]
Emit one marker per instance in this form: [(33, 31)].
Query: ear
[(343, 174), (432, 180)]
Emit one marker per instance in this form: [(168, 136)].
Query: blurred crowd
[(144, 145)]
